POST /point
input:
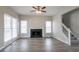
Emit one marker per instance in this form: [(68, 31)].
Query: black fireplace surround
[(36, 33)]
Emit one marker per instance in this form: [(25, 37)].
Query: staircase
[(69, 34), (74, 39)]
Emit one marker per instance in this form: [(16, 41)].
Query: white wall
[(2, 11), (57, 29), (71, 20), (36, 22)]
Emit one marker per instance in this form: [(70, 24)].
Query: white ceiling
[(50, 10)]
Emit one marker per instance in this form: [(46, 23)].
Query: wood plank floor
[(40, 45)]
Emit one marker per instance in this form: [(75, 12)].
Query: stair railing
[(66, 31)]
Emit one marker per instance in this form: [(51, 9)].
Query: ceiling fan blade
[(34, 7), (43, 7), (43, 11)]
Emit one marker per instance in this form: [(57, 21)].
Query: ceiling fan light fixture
[(38, 12), (39, 9)]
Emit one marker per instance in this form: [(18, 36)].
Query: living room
[(23, 23)]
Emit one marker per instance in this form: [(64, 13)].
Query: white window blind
[(23, 26), (10, 27), (48, 26)]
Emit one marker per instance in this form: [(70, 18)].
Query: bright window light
[(48, 26), (23, 26), (10, 27), (14, 27), (7, 27)]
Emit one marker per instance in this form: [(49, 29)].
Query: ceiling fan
[(39, 9)]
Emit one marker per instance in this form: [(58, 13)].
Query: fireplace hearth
[(36, 33)]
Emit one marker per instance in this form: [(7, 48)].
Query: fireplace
[(36, 33)]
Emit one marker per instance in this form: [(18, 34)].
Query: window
[(7, 27), (14, 27), (10, 27), (48, 26), (23, 26)]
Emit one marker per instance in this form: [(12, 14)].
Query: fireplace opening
[(36, 33)]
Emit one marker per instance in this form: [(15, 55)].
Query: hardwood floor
[(39, 45)]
